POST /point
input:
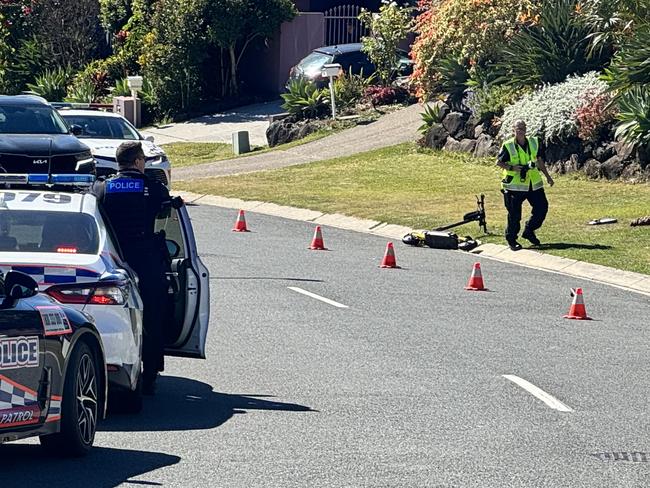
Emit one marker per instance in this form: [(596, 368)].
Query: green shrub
[(52, 84), (349, 89), (82, 91), (121, 88), (453, 77), (551, 50), (631, 65), (550, 111), (432, 115), (634, 116), (304, 99), (490, 101), (386, 30)]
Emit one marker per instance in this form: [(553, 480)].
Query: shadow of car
[(350, 57)]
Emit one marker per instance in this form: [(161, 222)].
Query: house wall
[(265, 69)]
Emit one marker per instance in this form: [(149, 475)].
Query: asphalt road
[(403, 388)]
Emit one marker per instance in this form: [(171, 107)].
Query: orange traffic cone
[(317, 243), (476, 279), (389, 260), (577, 310), (240, 224)]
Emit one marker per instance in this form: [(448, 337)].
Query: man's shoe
[(530, 236), (514, 245)]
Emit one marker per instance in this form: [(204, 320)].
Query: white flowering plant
[(550, 112)]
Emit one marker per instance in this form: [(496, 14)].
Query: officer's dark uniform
[(513, 201), (132, 202)]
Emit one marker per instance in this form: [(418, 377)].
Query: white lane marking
[(550, 400), (317, 297)]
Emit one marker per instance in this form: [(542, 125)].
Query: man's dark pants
[(513, 201), (153, 291)]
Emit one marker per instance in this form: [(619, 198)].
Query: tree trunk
[(233, 70)]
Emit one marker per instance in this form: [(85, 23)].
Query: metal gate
[(342, 25)]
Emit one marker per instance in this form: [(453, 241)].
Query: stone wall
[(460, 131)]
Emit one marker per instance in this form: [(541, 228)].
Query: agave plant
[(83, 91), (453, 80), (304, 99), (634, 116), (631, 66), (121, 88), (52, 84), (548, 52), (432, 115)]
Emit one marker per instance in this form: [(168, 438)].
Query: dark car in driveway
[(350, 57), (52, 369), (35, 139)]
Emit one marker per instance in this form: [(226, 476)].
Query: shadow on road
[(185, 404), (568, 245), (28, 465)]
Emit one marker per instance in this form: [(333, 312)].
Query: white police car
[(61, 239), (103, 132)]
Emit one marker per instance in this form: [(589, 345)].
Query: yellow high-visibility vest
[(511, 180)]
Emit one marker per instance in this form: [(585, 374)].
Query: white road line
[(550, 400), (317, 297)]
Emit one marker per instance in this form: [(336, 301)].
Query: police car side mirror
[(20, 285), (76, 130), (149, 138), (173, 248)]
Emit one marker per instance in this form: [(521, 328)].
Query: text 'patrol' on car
[(62, 240), (52, 369)]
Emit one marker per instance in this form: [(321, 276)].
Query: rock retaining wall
[(460, 131)]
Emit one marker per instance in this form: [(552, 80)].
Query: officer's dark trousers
[(153, 290), (513, 201)]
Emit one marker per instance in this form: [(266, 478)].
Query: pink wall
[(297, 39)]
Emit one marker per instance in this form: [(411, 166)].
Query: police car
[(62, 240), (103, 132), (52, 369)]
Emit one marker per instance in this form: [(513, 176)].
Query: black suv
[(35, 139)]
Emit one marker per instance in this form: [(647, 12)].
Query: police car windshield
[(30, 119), (98, 127), (47, 231)]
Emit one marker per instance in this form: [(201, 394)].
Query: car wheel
[(80, 408), (126, 401)]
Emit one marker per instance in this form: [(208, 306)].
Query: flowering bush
[(471, 30), (594, 113), (385, 95), (551, 111)]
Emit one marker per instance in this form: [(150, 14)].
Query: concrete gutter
[(627, 280)]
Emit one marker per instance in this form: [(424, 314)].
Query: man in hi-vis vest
[(522, 160)]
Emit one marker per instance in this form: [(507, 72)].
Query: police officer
[(522, 160), (132, 203)]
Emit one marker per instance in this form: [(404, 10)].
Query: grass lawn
[(425, 189), (190, 153), (182, 154)]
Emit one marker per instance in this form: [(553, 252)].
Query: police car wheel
[(80, 407)]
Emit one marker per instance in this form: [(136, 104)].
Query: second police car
[(63, 241), (52, 369)]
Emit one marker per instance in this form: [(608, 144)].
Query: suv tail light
[(88, 295)]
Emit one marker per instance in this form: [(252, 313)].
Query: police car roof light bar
[(44, 179)]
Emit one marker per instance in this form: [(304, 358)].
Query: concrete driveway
[(219, 127)]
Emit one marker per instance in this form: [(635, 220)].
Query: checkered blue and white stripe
[(55, 409), (12, 396), (55, 275)]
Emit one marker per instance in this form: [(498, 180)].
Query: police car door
[(190, 289), (21, 367)]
